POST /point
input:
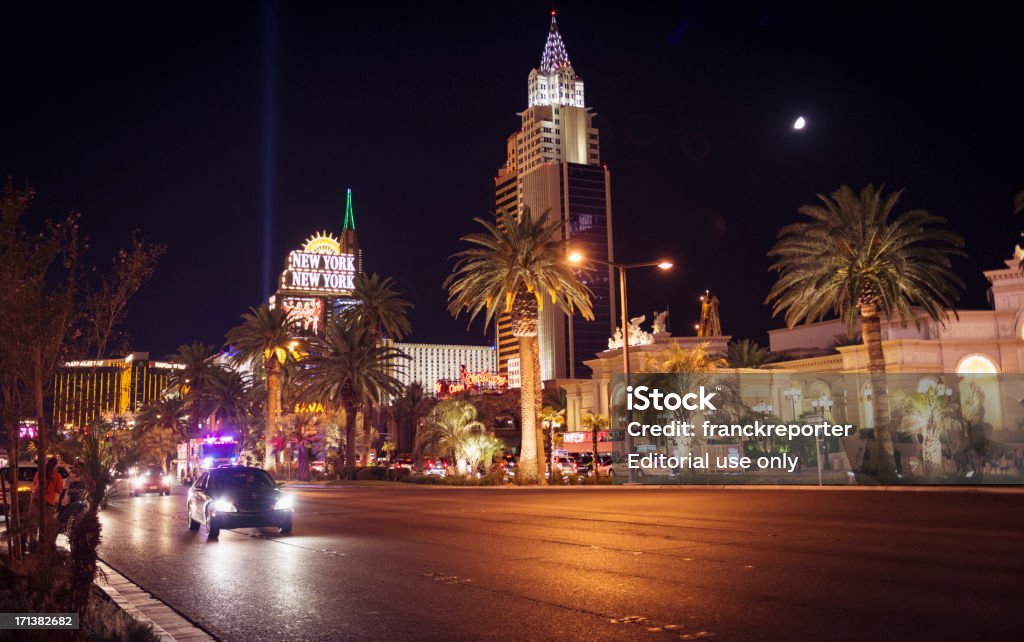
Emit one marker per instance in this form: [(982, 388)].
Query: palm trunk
[(528, 460), (538, 402), (871, 329), (273, 412), (350, 437)]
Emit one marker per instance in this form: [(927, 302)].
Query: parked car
[(238, 497), (565, 464), (150, 480), (508, 464), (604, 463), (619, 470), (26, 473), (585, 465), (399, 464), (435, 468)]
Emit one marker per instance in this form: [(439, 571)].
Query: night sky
[(169, 118)]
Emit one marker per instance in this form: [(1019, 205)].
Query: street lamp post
[(825, 403), (576, 257), (792, 393)]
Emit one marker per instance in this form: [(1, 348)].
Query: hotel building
[(85, 391), (431, 362), (553, 164)]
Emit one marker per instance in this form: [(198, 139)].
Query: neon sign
[(474, 382), (320, 273), (320, 267)]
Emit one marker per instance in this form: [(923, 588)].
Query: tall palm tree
[(266, 338), (226, 400), (160, 426), (851, 260), (346, 366), (379, 307), (744, 353), (189, 381), (512, 267), (412, 407)]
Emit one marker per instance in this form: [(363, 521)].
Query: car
[(618, 470), (567, 465), (604, 462), (150, 480), (585, 464), (435, 468), (26, 473), (508, 463), (238, 497), (399, 464)]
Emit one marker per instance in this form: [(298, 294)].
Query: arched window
[(976, 364)]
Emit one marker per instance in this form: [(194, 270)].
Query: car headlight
[(208, 462), (224, 506), (168, 479), (287, 502)]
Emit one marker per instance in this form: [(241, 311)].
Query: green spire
[(350, 219)]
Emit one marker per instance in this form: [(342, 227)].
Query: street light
[(577, 257), (825, 403)]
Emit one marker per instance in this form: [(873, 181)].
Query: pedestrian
[(53, 486)]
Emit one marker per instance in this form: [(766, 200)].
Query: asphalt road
[(596, 563)]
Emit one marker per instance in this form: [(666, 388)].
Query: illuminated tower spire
[(350, 219), (554, 81), (349, 241), (554, 57)]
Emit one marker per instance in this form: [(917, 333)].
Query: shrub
[(427, 480), (376, 473), (347, 472), (399, 474)]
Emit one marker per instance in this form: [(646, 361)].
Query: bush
[(399, 474), (427, 480), (496, 477), (347, 472), (375, 473)]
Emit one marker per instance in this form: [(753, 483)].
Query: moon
[(799, 123)]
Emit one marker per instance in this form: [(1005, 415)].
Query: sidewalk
[(168, 624)]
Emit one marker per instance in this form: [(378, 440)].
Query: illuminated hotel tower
[(554, 163)]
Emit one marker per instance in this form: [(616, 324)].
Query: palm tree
[(450, 425), (226, 400), (160, 426), (553, 421), (744, 353), (189, 381), (379, 307), (265, 337), (348, 367), (413, 406), (677, 370), (512, 267), (595, 424), (851, 260)]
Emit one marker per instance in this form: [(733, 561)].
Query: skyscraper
[(554, 164)]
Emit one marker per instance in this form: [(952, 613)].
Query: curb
[(1002, 489), (168, 624)]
